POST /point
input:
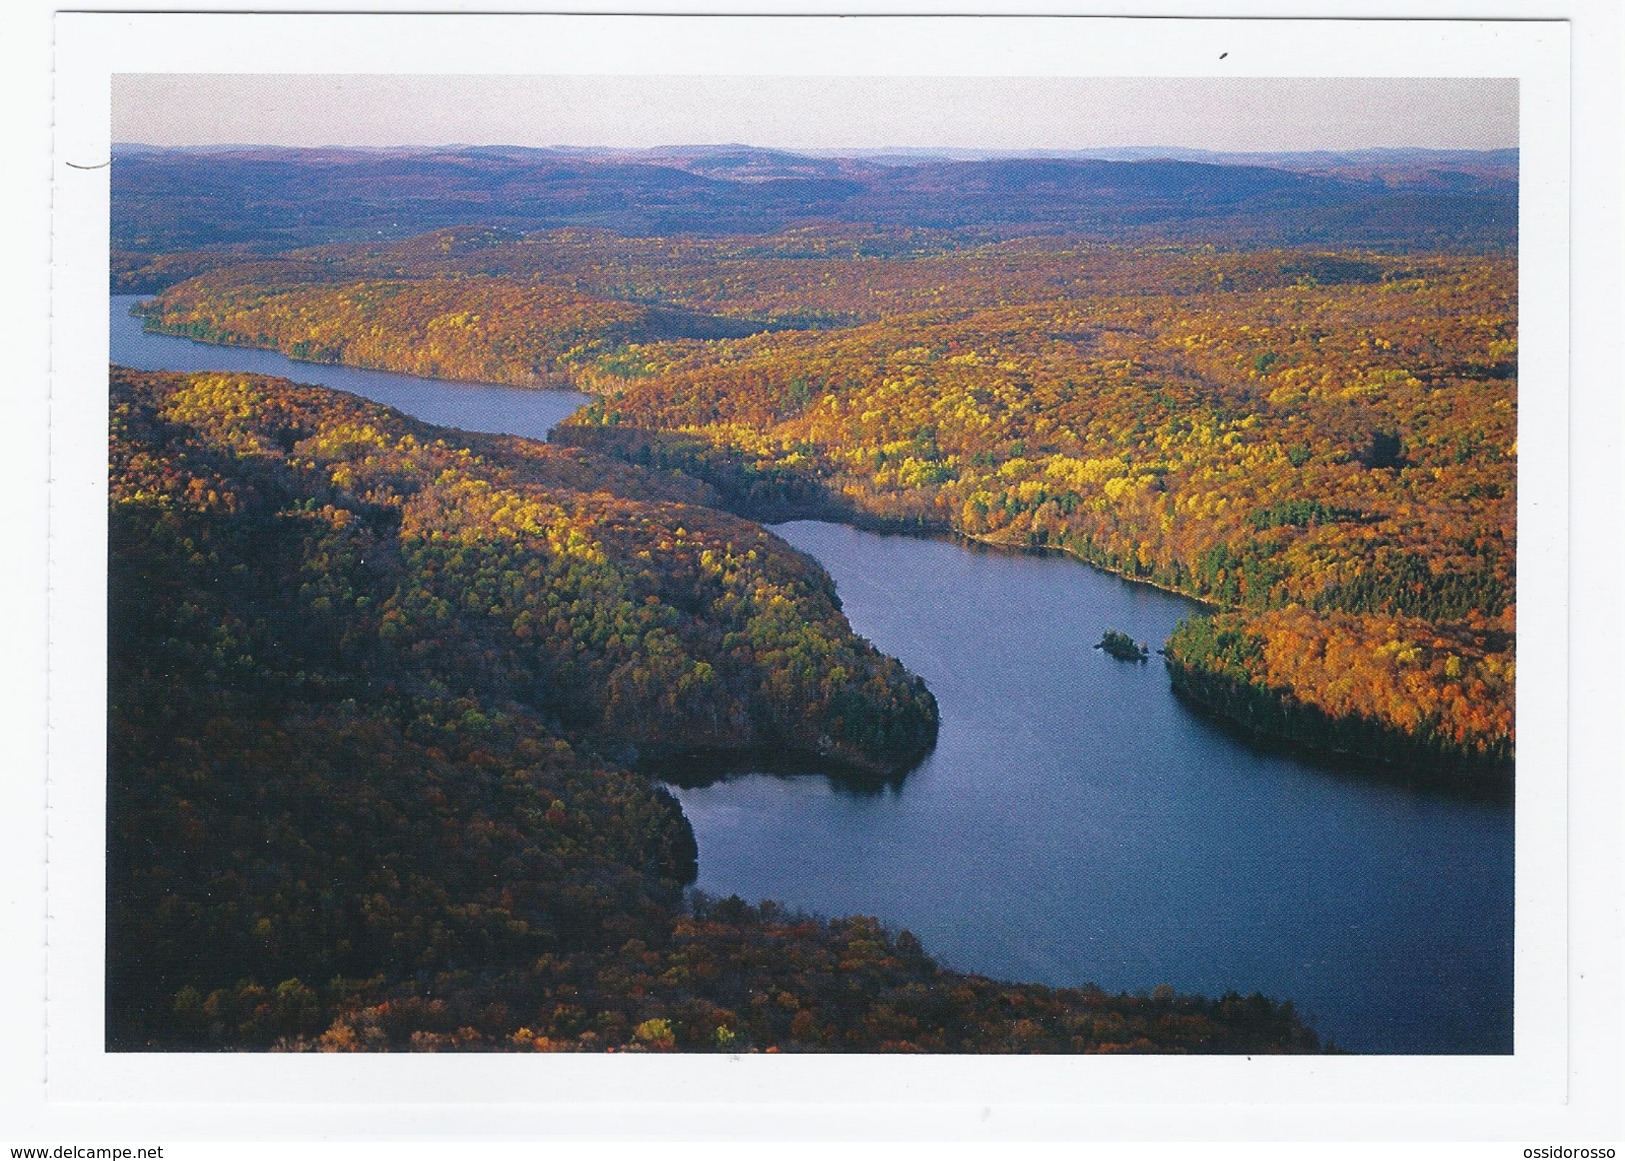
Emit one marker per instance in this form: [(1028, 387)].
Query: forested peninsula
[(373, 687)]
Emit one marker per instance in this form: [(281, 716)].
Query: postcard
[(628, 563)]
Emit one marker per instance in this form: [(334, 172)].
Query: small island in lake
[(1123, 647)]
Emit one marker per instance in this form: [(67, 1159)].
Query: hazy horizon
[(813, 114), (678, 147)]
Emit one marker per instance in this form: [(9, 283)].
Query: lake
[(470, 406), (1075, 824)]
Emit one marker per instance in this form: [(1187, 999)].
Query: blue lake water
[(1075, 824), (470, 406)]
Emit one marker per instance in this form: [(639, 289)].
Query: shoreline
[(1387, 759), (556, 381)]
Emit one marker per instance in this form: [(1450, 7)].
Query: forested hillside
[(1323, 442), (373, 687)]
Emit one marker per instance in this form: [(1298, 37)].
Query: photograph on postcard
[(746, 564)]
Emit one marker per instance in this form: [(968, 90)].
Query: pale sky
[(790, 112)]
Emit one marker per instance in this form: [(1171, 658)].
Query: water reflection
[(694, 770)]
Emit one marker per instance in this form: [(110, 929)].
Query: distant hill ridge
[(272, 198)]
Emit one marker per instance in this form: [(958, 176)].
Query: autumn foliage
[(373, 690), (1322, 441)]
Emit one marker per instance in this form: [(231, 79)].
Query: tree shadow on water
[(696, 769)]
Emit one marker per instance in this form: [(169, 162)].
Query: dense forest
[(1322, 443), (374, 690)]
